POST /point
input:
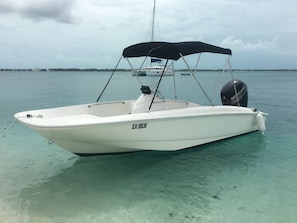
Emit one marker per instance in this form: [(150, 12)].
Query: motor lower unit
[(235, 93)]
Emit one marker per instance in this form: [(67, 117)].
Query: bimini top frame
[(169, 51)]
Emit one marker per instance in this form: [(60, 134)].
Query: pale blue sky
[(92, 33)]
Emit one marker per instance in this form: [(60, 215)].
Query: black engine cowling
[(228, 95)]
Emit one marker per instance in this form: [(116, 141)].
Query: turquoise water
[(251, 178)]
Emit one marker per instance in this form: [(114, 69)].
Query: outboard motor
[(228, 94)]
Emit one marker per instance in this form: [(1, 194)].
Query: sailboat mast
[(153, 22)]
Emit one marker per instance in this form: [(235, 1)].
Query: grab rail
[(105, 103)]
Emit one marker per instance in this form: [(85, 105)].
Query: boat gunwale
[(139, 117)]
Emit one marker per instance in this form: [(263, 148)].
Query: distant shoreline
[(58, 69), (107, 69)]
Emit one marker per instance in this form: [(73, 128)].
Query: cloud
[(241, 45), (58, 10), (101, 29)]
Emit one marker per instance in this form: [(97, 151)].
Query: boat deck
[(126, 107), (89, 114)]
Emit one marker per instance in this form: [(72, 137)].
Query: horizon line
[(123, 69)]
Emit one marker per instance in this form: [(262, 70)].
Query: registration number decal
[(139, 126)]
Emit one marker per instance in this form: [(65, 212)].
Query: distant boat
[(153, 69), (139, 72), (158, 70), (185, 74)]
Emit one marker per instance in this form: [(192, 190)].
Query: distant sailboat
[(153, 69)]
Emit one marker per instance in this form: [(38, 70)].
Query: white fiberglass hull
[(112, 128)]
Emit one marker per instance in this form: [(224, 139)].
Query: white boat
[(158, 70), (150, 122)]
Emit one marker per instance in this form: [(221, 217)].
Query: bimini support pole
[(219, 79), (158, 84), (234, 84), (198, 59), (137, 76), (114, 70), (174, 82), (197, 81)]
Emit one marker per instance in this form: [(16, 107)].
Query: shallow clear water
[(251, 178)]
